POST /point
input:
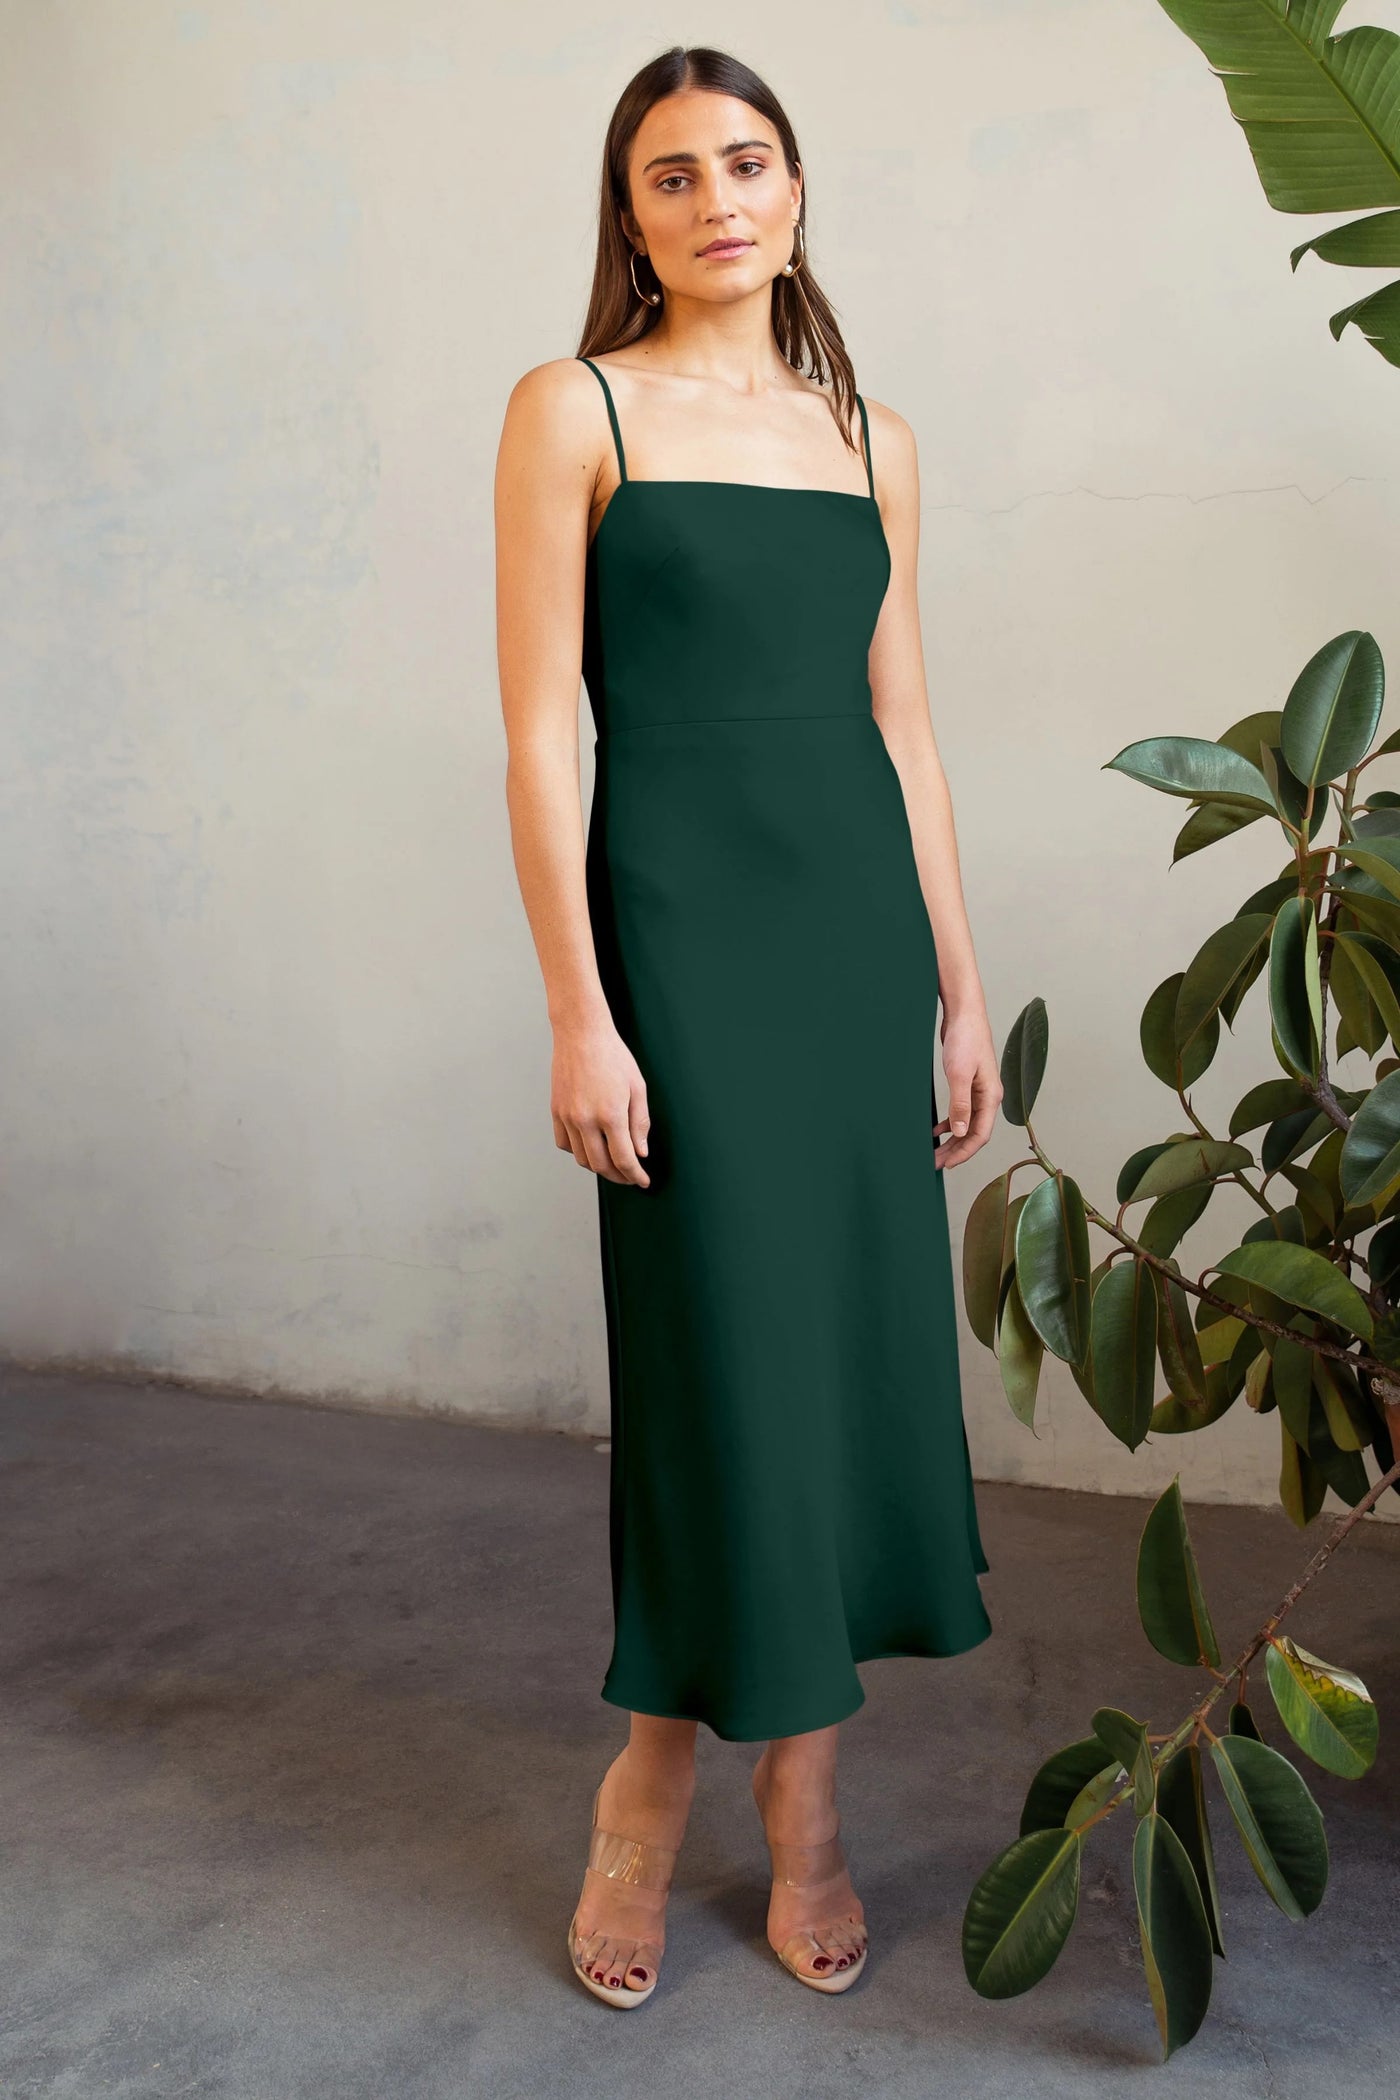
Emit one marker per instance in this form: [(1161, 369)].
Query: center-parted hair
[(804, 323)]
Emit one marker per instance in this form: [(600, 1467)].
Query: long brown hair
[(804, 324)]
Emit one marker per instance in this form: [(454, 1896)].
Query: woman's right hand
[(598, 1099)]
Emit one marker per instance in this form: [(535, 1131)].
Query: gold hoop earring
[(791, 267), (650, 298)]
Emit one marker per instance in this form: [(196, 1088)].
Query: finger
[(640, 1118), (596, 1147), (561, 1134), (576, 1144), (624, 1158), (959, 1106)]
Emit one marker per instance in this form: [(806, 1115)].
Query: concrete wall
[(275, 1082)]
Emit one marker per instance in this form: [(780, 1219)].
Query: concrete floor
[(301, 1725)]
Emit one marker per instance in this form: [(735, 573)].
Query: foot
[(828, 1912), (620, 1929)]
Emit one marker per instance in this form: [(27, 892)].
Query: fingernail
[(958, 1129)]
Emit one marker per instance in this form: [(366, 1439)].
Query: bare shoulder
[(891, 438), (554, 438), (556, 395)]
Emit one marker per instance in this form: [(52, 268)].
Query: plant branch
[(1199, 1290), (1196, 1718)]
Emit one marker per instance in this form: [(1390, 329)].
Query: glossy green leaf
[(1217, 969), (1178, 1344), (1343, 1471), (1186, 1161), (1328, 1712), (1175, 1933), (1303, 1277), (1302, 1487), (1124, 1351), (1191, 767), (1378, 968), (1181, 1800), (1242, 1721), (1171, 1417), (1059, 1781), (1295, 988), (1052, 1266), (1332, 713), (1207, 826), (1023, 1061), (988, 1240), (1218, 1333), (1379, 858), (1380, 914), (1020, 1352), (1279, 1823), (1267, 1103), (1370, 1162), (1347, 1422), (1293, 1386), (1019, 1913), (1171, 1603), (1157, 1036), (1258, 1384), (1126, 1739), (1095, 1794), (1264, 725), (1361, 1025), (1171, 1217)]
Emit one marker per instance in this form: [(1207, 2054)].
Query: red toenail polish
[(640, 1972)]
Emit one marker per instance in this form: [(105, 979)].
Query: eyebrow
[(734, 146)]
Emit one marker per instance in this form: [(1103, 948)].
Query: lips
[(726, 247)]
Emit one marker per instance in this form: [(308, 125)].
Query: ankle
[(653, 1785)]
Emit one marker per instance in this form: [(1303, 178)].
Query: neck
[(733, 345)]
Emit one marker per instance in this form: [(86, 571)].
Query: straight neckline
[(767, 488)]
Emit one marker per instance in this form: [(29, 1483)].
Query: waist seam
[(841, 714)]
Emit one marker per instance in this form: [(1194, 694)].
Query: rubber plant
[(1299, 1321), (1321, 116)]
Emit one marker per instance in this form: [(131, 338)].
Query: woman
[(743, 962)]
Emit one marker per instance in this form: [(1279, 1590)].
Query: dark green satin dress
[(790, 1486)]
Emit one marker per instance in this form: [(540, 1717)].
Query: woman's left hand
[(974, 1086)]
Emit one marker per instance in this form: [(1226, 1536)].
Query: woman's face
[(708, 169)]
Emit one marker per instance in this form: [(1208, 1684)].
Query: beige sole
[(840, 1981), (623, 1997)]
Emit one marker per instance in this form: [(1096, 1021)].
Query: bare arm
[(547, 471), (900, 696)]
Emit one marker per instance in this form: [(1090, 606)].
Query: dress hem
[(750, 1734)]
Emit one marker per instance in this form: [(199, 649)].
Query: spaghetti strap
[(612, 416), (865, 426)]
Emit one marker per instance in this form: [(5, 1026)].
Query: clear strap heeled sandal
[(624, 1957), (831, 1954)]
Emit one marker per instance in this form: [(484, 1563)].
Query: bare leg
[(794, 1785), (646, 1794)]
